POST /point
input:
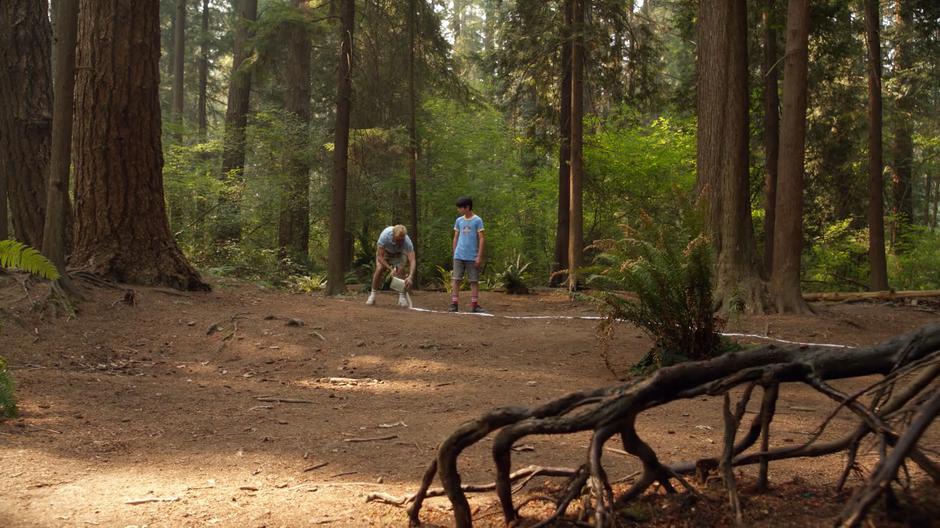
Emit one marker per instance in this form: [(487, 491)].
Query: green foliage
[(514, 276), (673, 301), (7, 398), (16, 255), (918, 266), (838, 260), (306, 283)]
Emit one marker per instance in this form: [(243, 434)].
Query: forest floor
[(157, 413)]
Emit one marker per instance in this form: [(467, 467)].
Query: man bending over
[(392, 248)]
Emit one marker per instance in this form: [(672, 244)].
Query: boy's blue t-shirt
[(387, 240), (468, 238)]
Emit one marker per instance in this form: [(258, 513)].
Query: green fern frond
[(16, 255)]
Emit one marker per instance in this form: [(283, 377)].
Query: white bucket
[(398, 284)]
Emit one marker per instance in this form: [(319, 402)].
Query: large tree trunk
[(723, 153), (771, 131), (25, 113), (201, 110), (903, 203), (876, 226), (788, 231), (179, 61), (4, 228), (575, 215), (54, 244), (412, 126), (121, 225), (564, 150), (294, 227), (337, 265), (228, 227)]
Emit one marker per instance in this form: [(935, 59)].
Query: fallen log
[(868, 296)]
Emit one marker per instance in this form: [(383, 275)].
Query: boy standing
[(468, 253)]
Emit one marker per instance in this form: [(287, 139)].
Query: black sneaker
[(454, 307), (477, 309)]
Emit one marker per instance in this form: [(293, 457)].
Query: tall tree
[(228, 227), (903, 197), (4, 228), (293, 232), (25, 113), (54, 239), (788, 229), (337, 262), (412, 124), (121, 228), (575, 215), (201, 110), (723, 153), (564, 147), (770, 71), (876, 226), (179, 62)]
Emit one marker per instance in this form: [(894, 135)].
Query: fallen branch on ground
[(610, 411)]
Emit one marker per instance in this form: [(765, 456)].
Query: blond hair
[(399, 231)]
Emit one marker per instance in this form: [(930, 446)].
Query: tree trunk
[(4, 228), (25, 113), (201, 111), (336, 269), (788, 229), (928, 196), (564, 150), (228, 227), (771, 131), (903, 203), (121, 229), (294, 227), (575, 216), (723, 153), (876, 226), (179, 53), (54, 239), (412, 127)]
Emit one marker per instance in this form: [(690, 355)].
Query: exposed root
[(613, 410)]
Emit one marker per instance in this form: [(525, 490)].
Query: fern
[(16, 255), (7, 399)]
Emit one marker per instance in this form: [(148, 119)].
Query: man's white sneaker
[(402, 301), (371, 300)]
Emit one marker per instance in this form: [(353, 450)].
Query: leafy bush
[(306, 283), (7, 399), (513, 278), (838, 259), (917, 267), (16, 255), (673, 289)]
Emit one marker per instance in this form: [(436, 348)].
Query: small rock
[(379, 480), (531, 383), (294, 322), (360, 343)]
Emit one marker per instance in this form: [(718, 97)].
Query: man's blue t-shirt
[(468, 238), (387, 241)]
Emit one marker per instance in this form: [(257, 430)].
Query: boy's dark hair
[(465, 201)]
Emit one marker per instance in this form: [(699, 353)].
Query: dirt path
[(145, 403)]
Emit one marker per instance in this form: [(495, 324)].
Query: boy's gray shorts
[(468, 266)]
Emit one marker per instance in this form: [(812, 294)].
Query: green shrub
[(513, 279), (16, 255), (673, 304), (7, 398)]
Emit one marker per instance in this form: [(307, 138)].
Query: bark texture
[(337, 262), (293, 232), (228, 227), (564, 152), (55, 231), (179, 64), (723, 154), (201, 106), (121, 229), (25, 113), (788, 231), (876, 225), (901, 184), (770, 70), (575, 207)]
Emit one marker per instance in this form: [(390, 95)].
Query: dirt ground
[(167, 403)]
